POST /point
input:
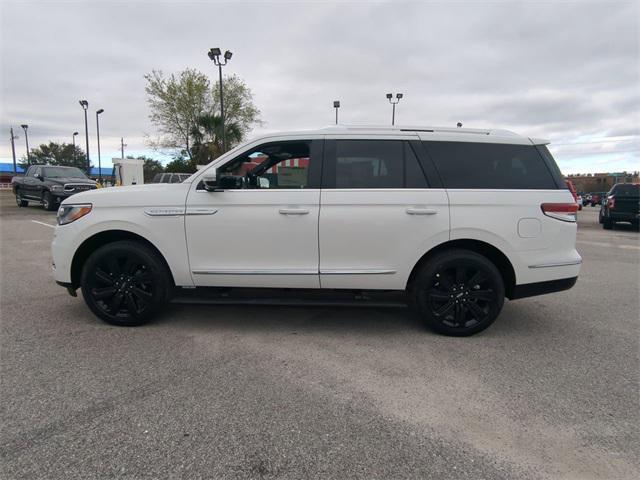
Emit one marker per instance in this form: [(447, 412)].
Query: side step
[(290, 297)]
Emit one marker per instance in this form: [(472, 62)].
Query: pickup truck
[(621, 205), (49, 185)]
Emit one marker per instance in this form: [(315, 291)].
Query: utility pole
[(122, 145), (13, 152)]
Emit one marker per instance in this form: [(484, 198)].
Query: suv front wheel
[(458, 292), (125, 283)]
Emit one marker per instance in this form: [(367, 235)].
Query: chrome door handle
[(294, 211), (421, 211)]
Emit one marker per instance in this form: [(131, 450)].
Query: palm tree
[(207, 137)]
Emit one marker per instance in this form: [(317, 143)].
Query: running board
[(290, 297)]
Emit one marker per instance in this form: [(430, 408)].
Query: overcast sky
[(566, 71)]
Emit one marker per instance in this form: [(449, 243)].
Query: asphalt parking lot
[(549, 391)]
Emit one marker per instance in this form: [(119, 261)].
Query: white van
[(458, 219)]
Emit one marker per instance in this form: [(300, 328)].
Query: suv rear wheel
[(125, 283), (458, 292)]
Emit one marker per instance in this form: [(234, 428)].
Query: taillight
[(611, 202), (560, 211)]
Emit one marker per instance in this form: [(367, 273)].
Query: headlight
[(71, 213), (56, 188)]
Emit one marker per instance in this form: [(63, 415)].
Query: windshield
[(62, 172)]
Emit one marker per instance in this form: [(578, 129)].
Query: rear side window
[(491, 166), (373, 164)]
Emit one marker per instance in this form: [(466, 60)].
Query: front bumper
[(623, 216)]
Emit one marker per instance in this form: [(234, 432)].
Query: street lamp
[(336, 105), (98, 132), (84, 104), (214, 55), (390, 98), (73, 139), (26, 139)]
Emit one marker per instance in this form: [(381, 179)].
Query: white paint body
[(329, 238)]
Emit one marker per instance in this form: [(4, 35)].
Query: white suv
[(456, 218)]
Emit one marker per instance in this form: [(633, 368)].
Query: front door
[(262, 232)]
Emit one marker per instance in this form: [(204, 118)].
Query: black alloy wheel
[(459, 293), (125, 283)]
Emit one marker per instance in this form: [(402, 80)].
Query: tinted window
[(630, 190), (273, 165), (62, 172), (376, 164), (490, 165)]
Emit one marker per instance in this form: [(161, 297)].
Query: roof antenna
[(459, 125)]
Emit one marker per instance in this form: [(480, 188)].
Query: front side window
[(276, 165), (374, 164)]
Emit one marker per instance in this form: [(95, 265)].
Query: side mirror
[(40, 177), (210, 184)]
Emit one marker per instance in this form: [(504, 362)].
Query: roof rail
[(411, 128)]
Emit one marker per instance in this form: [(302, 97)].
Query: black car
[(49, 185), (620, 205)]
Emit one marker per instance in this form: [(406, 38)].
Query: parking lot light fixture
[(84, 104), (394, 103), (98, 134), (214, 55), (25, 127), (336, 105)]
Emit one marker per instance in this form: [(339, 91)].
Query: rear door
[(379, 211)]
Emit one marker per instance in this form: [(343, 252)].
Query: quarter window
[(490, 166)]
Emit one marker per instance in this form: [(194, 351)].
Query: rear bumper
[(542, 288), (623, 216)]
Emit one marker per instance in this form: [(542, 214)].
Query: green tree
[(207, 138), (177, 102), (62, 154), (239, 108), (180, 165)]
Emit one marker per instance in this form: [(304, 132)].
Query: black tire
[(48, 202), (20, 201), (458, 293), (607, 223), (125, 283)]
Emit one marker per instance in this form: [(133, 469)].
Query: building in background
[(601, 182)]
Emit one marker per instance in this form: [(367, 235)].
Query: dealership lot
[(549, 391)]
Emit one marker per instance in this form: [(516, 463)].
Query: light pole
[(84, 104), (336, 105), (122, 145), (393, 113), (73, 139), (98, 132), (214, 54), (26, 139), (13, 151)]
